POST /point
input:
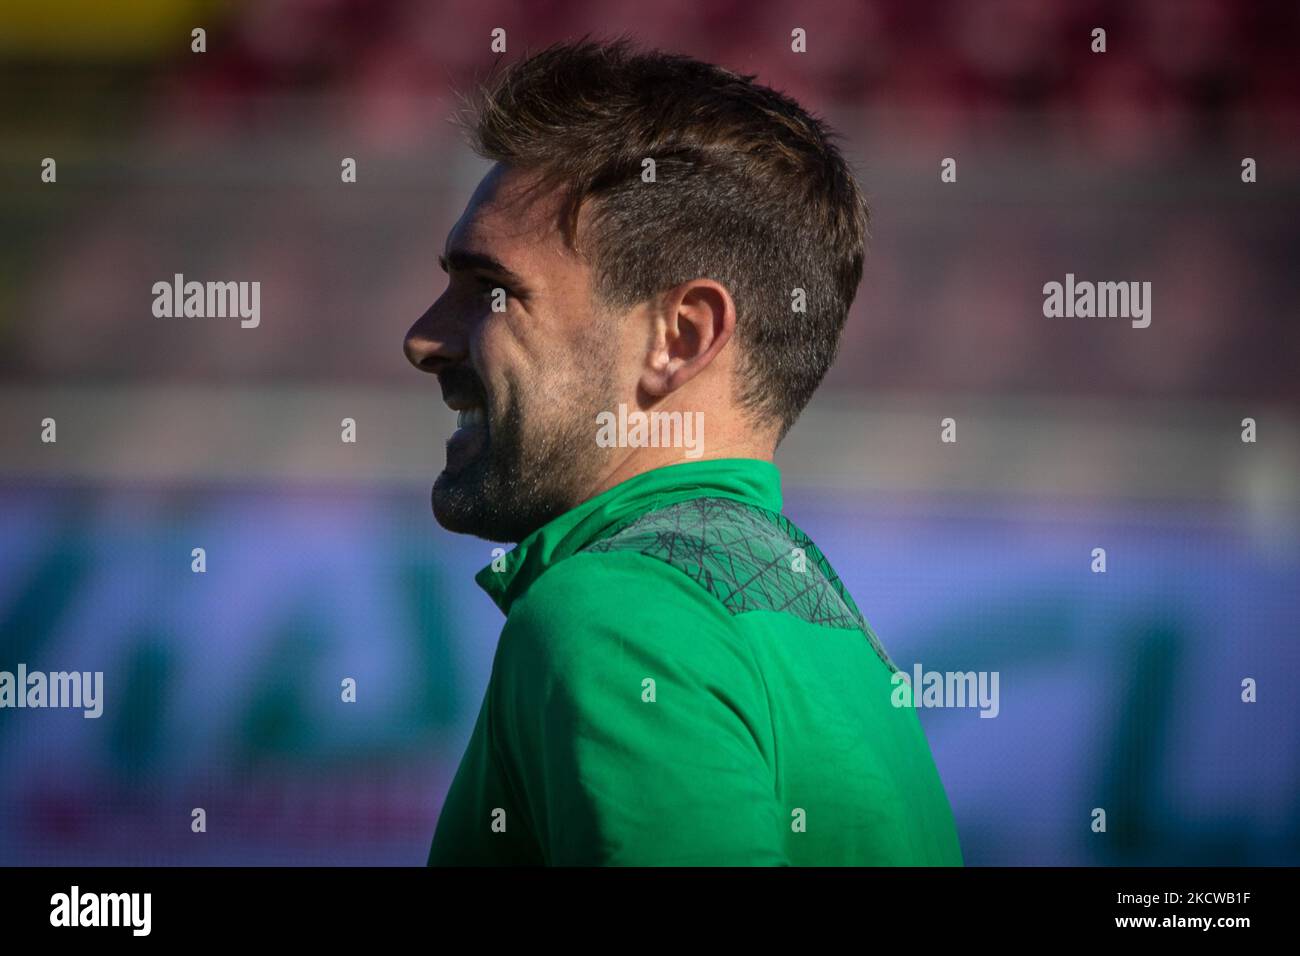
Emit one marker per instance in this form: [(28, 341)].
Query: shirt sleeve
[(633, 721)]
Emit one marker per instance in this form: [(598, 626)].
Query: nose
[(433, 343)]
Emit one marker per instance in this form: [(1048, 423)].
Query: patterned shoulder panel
[(748, 558)]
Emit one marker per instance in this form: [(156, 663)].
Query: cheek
[(499, 356), (548, 361), (524, 371), (519, 342)]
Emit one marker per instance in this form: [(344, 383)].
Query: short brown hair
[(749, 191)]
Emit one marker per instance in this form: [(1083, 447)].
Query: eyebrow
[(465, 260)]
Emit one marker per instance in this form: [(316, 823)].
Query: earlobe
[(658, 370), (657, 365)]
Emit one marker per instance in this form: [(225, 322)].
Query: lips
[(472, 417), (463, 393), (470, 439)]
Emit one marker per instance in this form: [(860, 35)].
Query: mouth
[(474, 416), (470, 438), (464, 393)]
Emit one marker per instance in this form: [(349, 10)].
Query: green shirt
[(683, 680)]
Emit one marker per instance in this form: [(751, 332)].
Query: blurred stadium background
[(1118, 691)]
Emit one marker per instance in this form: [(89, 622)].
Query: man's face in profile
[(527, 381)]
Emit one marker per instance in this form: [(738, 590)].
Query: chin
[(452, 507), (459, 507)]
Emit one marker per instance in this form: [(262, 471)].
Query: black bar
[(437, 908)]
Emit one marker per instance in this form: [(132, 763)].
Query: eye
[(487, 286)]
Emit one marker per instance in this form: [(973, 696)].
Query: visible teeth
[(470, 417)]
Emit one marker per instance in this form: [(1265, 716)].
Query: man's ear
[(694, 323)]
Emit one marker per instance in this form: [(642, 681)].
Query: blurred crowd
[(1119, 166), (1173, 71)]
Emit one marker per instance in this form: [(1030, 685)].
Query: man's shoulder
[(615, 591), (598, 619), (745, 557), (689, 567)]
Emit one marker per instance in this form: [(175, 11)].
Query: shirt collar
[(748, 480)]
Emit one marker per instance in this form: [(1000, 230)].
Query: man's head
[(667, 235)]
